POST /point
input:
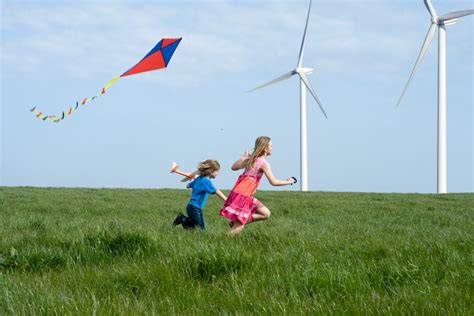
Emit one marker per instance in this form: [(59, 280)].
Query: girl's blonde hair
[(208, 166), (260, 149)]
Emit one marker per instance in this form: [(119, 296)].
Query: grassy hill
[(114, 251)]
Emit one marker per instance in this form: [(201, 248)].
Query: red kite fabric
[(157, 58)]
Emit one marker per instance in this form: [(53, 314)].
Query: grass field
[(114, 251)]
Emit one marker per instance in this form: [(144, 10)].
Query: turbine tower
[(302, 72), (440, 23)]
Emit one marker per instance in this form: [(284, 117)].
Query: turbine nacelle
[(439, 21), (304, 70), (449, 22)]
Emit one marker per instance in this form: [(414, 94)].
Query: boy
[(202, 186)]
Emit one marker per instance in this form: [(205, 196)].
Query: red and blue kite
[(157, 58)]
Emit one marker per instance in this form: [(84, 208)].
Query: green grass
[(114, 251)]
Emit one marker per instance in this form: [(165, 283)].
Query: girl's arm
[(240, 164), (267, 170), (220, 194)]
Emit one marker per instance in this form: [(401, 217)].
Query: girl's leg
[(262, 214), (236, 228)]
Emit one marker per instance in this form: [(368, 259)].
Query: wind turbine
[(439, 22), (302, 72)]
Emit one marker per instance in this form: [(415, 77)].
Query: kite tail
[(156, 58), (70, 110)]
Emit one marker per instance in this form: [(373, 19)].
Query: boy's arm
[(190, 185), (220, 194)]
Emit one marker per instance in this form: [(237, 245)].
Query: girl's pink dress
[(240, 204)]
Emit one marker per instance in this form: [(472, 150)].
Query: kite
[(156, 58)]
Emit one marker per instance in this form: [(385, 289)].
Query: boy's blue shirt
[(202, 187)]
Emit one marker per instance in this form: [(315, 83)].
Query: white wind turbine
[(439, 22), (302, 72)]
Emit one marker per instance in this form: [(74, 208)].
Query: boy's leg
[(200, 218), (180, 218), (196, 216), (189, 222)]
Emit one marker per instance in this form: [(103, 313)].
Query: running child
[(241, 207), (202, 186)]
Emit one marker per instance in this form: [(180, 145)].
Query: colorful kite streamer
[(157, 58)]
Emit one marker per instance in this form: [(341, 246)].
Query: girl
[(241, 207), (202, 186)]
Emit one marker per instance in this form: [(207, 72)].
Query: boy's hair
[(261, 145), (208, 166)]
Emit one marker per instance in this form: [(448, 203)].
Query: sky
[(54, 53)]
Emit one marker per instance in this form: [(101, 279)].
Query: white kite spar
[(440, 23), (302, 72)]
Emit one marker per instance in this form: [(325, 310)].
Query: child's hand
[(292, 180)]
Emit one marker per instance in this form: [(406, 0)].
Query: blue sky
[(54, 53)]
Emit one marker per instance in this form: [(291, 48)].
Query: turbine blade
[(310, 89), (282, 77), (300, 57), (430, 8), (455, 15), (426, 44)]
